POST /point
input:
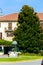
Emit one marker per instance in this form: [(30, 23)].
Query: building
[(8, 24), (40, 15)]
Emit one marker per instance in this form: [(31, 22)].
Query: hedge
[(5, 43)]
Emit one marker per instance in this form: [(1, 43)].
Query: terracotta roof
[(40, 15), (14, 17), (9, 17)]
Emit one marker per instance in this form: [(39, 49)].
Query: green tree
[(28, 32)]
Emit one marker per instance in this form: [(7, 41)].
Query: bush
[(41, 52), (4, 42)]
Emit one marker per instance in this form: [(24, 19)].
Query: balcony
[(8, 30)]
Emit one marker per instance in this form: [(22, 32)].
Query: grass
[(21, 58)]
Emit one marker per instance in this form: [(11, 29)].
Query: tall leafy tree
[(28, 32)]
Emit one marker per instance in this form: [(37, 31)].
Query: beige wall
[(2, 29), (41, 24)]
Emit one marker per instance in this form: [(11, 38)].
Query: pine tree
[(28, 32)]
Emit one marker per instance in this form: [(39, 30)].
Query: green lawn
[(20, 58)]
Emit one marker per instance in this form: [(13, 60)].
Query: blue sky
[(12, 6)]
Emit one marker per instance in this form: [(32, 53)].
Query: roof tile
[(10, 17), (14, 17)]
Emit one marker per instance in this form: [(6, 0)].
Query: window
[(9, 34), (0, 48), (0, 35), (10, 25), (0, 24), (41, 23)]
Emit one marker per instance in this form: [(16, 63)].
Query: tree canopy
[(28, 32)]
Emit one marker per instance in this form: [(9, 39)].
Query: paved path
[(22, 63), (3, 56)]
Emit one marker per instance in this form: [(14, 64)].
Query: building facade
[(8, 24), (40, 16)]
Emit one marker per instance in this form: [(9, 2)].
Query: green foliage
[(28, 32), (5, 43)]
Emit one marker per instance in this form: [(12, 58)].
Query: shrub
[(4, 42)]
